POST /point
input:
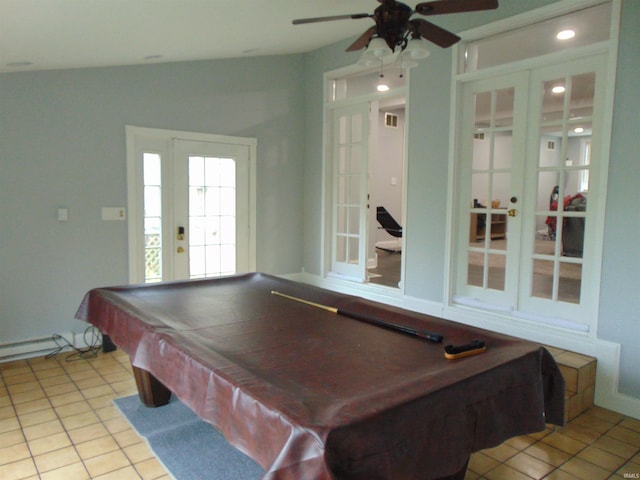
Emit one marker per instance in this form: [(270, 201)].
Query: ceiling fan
[(395, 25)]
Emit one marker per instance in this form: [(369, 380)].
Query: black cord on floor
[(91, 337)]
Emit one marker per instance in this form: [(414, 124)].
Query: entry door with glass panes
[(196, 211)]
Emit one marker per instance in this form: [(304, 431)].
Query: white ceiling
[(60, 34)]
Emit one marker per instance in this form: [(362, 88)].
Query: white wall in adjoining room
[(386, 183)]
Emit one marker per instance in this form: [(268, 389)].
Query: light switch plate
[(114, 213), (63, 214)]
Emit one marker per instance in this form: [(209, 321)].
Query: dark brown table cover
[(310, 394)]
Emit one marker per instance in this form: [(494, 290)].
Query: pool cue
[(432, 337)]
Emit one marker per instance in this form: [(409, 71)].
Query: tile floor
[(57, 421)]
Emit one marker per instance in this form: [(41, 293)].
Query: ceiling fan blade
[(354, 16), (433, 33), (362, 41), (455, 6)]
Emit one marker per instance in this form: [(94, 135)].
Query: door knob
[(512, 212), (180, 250)]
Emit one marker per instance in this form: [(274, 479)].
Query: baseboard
[(38, 347), (607, 353), (29, 348)]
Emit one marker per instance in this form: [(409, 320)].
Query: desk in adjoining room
[(314, 395)]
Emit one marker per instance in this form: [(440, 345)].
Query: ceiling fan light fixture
[(416, 49), (368, 59), (379, 48)]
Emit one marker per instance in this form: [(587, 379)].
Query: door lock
[(180, 235), (512, 212)]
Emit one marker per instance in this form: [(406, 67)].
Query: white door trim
[(153, 139)]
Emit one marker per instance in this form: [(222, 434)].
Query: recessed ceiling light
[(382, 87), (565, 34), (578, 129), (558, 89)]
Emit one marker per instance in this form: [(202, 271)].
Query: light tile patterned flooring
[(57, 421)]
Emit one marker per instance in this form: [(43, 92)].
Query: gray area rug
[(189, 448)]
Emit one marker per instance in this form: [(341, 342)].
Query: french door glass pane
[(475, 268), (227, 200), (483, 110), (152, 208), (496, 272), (152, 201), (354, 250), (212, 222), (196, 201), (581, 98), (196, 171), (480, 189), (354, 221), (498, 228), (341, 248), (570, 282), (504, 107), (542, 281)]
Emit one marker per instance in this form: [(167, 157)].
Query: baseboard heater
[(27, 348)]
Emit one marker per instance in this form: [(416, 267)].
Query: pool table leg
[(152, 393)]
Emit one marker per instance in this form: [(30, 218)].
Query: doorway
[(387, 192), (191, 204), (364, 171)]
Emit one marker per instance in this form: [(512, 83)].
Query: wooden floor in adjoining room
[(58, 421)]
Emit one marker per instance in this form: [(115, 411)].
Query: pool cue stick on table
[(432, 337)]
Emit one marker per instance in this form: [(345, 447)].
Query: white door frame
[(499, 319), (141, 139), (331, 103)]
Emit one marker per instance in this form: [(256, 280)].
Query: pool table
[(311, 394)]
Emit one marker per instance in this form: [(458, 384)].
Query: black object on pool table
[(452, 352), (432, 337)]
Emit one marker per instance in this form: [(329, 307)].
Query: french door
[(491, 185), (529, 156), (350, 190), (191, 204)]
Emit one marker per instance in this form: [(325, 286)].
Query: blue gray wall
[(619, 319), (62, 144)]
